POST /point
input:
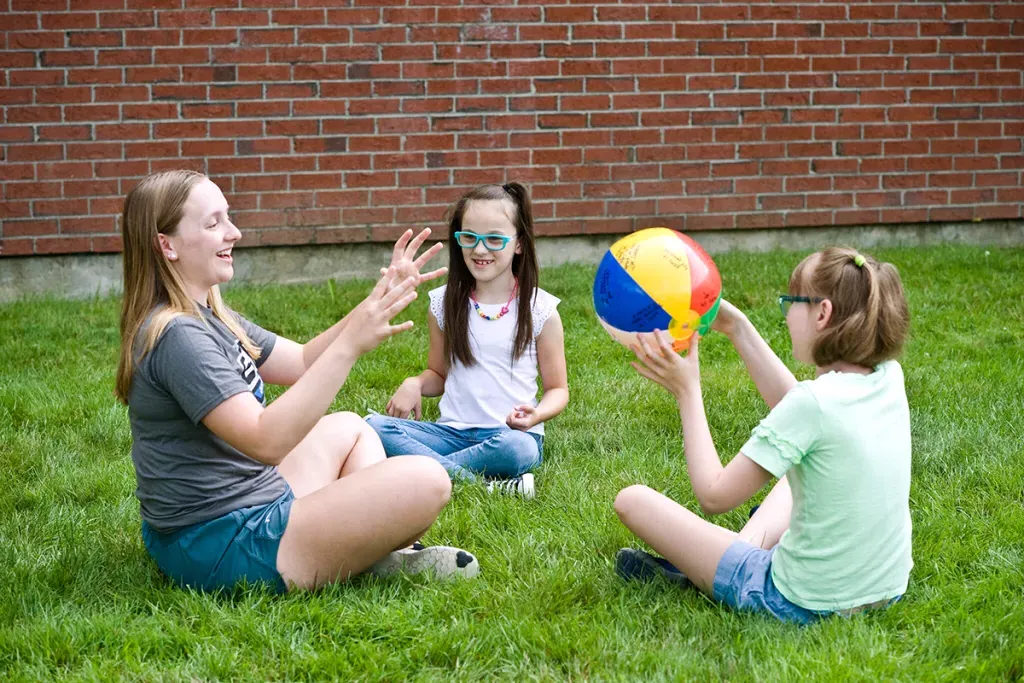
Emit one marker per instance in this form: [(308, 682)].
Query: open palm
[(405, 261)]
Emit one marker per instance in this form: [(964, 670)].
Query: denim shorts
[(223, 552), (743, 580)]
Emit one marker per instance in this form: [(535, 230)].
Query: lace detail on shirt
[(544, 305), (789, 451), (437, 305)]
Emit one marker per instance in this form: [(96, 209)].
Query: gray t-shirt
[(186, 474)]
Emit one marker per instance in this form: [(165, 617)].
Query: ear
[(166, 247), (824, 315)]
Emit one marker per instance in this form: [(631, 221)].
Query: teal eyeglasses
[(786, 301), (493, 242)]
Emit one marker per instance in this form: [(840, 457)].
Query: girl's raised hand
[(370, 321), (405, 262), (727, 319), (660, 364)]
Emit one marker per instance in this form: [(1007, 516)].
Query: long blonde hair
[(151, 286)]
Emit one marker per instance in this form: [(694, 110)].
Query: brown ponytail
[(870, 319)]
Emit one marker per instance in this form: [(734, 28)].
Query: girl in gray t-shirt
[(234, 490)]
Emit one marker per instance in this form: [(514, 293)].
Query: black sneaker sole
[(636, 565)]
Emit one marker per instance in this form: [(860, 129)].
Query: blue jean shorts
[(743, 580), (223, 552)]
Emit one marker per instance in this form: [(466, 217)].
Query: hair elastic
[(858, 260), (507, 188)]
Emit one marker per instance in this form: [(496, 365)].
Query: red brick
[(287, 236), (94, 224), (60, 245), (33, 190), (368, 216), (206, 111), (313, 217), (91, 188), (17, 60), (219, 36), (341, 235), (26, 228)]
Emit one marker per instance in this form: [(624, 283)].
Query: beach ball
[(657, 279)]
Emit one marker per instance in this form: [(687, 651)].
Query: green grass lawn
[(80, 599)]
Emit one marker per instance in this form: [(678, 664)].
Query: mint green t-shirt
[(843, 442)]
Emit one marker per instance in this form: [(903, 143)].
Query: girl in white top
[(491, 330)]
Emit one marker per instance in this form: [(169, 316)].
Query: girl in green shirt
[(833, 535)]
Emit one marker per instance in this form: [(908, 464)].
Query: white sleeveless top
[(483, 395)]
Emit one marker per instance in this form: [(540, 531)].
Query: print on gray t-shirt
[(186, 474)]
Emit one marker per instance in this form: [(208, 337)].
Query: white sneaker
[(522, 486), (444, 561)]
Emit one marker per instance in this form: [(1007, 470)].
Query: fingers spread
[(644, 371), (433, 275), (694, 342), (664, 342), (400, 305), (382, 284), (398, 291), (653, 355), (416, 243), (402, 327), (400, 245), (428, 254)]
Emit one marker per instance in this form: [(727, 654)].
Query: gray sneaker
[(444, 561), (522, 486)]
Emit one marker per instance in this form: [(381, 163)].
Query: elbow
[(268, 455), (710, 509), (266, 450), (711, 503)]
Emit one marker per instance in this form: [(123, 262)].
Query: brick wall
[(339, 120)]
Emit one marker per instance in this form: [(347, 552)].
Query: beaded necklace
[(504, 309)]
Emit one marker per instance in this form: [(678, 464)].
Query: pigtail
[(524, 267)]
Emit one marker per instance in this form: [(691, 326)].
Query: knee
[(521, 445), (431, 479), (377, 422), (346, 423), (629, 501)]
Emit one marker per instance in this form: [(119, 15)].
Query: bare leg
[(771, 519), (339, 444), (341, 529), (687, 541)]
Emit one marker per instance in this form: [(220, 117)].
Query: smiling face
[(490, 217), (200, 249)]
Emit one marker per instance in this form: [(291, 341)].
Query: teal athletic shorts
[(223, 552)]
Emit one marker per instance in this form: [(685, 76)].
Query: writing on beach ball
[(657, 279)]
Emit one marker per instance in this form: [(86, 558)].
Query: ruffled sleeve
[(544, 304), (785, 437), (437, 304)]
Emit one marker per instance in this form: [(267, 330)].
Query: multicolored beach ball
[(657, 279)]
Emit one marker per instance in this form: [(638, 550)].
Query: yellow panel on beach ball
[(656, 259)]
